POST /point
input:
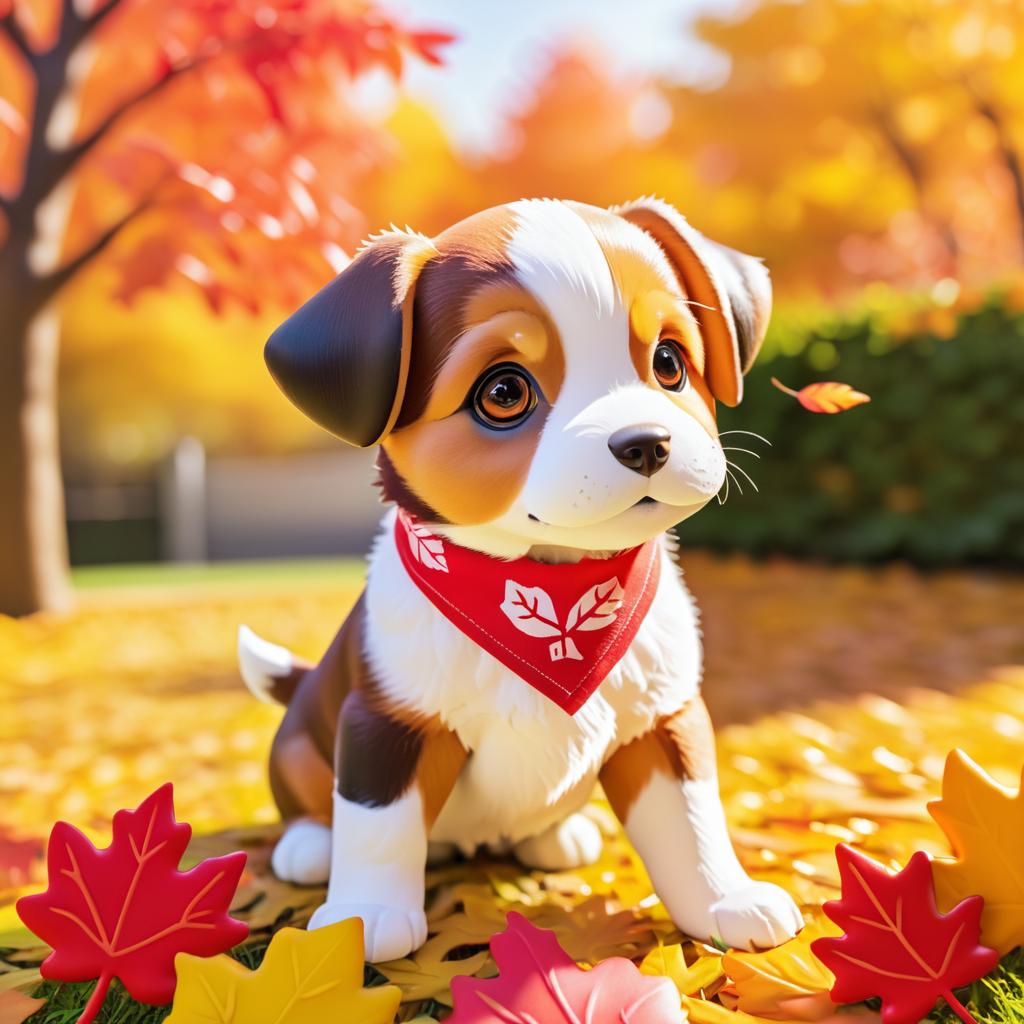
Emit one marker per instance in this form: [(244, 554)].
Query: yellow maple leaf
[(688, 979), (305, 978), (786, 982), (984, 823)]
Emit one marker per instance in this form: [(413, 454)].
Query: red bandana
[(562, 627)]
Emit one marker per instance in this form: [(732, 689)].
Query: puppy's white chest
[(530, 762)]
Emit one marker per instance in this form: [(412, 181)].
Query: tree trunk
[(33, 539)]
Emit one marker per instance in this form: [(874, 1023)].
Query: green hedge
[(932, 470)]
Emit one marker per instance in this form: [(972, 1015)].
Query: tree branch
[(15, 34), (52, 283), (67, 159), (1004, 146), (100, 15)]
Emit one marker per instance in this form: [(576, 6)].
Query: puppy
[(541, 379)]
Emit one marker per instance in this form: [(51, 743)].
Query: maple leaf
[(689, 980), (305, 978), (787, 982), (125, 911), (539, 981), (896, 944), (827, 396), (984, 823)]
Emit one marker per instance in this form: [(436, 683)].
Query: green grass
[(998, 999), (340, 571), (65, 1002)]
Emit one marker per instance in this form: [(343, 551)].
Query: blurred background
[(177, 177)]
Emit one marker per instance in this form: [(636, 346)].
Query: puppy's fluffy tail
[(272, 673)]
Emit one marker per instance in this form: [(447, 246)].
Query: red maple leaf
[(127, 910), (896, 943), (540, 982)]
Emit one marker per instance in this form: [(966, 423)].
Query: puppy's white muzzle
[(577, 481)]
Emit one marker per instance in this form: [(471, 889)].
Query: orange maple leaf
[(828, 396)]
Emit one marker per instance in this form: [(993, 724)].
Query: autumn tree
[(844, 142), (207, 139), (865, 141)]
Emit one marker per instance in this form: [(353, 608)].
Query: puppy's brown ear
[(343, 357), (733, 292)]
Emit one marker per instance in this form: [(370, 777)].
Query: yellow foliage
[(689, 980), (788, 981), (305, 978), (100, 707), (984, 822)]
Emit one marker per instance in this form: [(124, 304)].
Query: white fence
[(288, 507)]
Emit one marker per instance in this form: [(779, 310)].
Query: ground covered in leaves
[(837, 693)]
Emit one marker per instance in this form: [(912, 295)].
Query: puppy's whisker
[(728, 473), (726, 485), (747, 476), (746, 451), (750, 433)]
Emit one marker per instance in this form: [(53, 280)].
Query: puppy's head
[(543, 372)]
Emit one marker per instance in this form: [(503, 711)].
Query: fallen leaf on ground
[(788, 982), (305, 978), (669, 962), (125, 911), (896, 944), (539, 981), (984, 823), (16, 1007)]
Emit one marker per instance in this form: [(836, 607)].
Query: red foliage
[(215, 138), (126, 911), (896, 944), (540, 982)]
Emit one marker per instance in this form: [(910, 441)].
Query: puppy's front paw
[(758, 915), (389, 933)]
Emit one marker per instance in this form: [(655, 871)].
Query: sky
[(503, 46)]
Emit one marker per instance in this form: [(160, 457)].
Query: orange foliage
[(848, 142), (214, 138)]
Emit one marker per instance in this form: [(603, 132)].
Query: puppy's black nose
[(643, 447)]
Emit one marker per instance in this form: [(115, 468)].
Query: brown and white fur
[(408, 739)]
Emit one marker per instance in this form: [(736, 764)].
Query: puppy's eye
[(503, 397), (669, 366)]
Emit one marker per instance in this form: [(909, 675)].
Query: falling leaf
[(539, 981), (305, 978), (827, 396), (896, 944), (788, 982), (125, 911)]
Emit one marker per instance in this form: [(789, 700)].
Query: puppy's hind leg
[(301, 781), (571, 843), (664, 788)]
